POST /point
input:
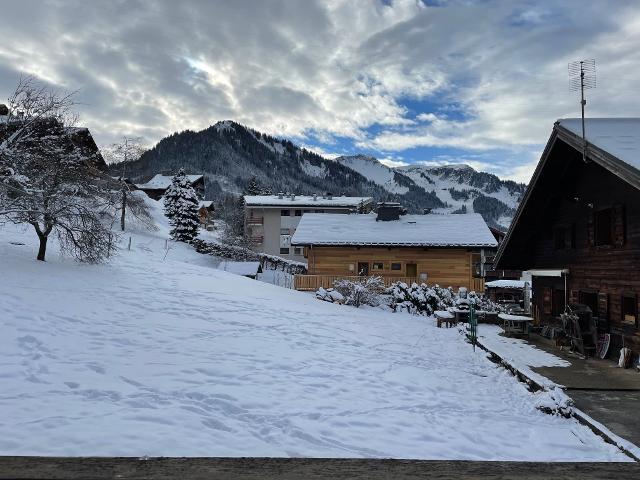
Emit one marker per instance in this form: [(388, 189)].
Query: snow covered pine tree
[(181, 208)]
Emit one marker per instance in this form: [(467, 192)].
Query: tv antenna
[(582, 76)]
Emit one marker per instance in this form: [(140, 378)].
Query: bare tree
[(50, 181), (128, 150)]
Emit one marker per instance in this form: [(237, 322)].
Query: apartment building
[(271, 220)]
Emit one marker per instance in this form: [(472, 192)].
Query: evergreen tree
[(181, 208), (253, 187)]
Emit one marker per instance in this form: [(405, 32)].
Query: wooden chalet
[(577, 229), (79, 137), (434, 249), (206, 210), (156, 187)]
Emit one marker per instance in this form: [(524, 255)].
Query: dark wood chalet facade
[(577, 229)]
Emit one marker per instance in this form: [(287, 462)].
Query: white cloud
[(327, 69)]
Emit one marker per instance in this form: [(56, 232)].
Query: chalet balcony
[(256, 239), (255, 221), (312, 283)]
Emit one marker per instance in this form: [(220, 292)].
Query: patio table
[(515, 324)]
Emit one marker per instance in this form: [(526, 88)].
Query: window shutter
[(603, 305), (591, 235), (546, 300), (619, 233)]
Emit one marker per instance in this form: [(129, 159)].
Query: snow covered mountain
[(229, 154), (459, 188)]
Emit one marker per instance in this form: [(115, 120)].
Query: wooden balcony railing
[(314, 282), (477, 285), (256, 239), (255, 221)]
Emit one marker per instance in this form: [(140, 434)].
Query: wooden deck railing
[(477, 285), (314, 282)]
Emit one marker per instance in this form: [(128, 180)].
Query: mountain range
[(229, 154)]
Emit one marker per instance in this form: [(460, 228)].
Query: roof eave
[(527, 193), (387, 244), (610, 162)]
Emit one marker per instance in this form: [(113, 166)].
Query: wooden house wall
[(606, 271), (446, 267)]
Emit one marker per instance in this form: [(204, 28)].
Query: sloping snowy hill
[(167, 356), (445, 188), (371, 168)]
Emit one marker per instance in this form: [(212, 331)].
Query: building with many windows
[(271, 220)]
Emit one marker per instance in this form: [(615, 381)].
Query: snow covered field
[(172, 357)]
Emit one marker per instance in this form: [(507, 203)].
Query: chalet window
[(285, 213), (297, 250), (396, 266), (559, 238), (590, 299), (284, 250), (603, 227), (377, 266), (630, 309), (284, 231), (298, 213)]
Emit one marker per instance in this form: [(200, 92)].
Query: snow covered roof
[(163, 181), (451, 230), (619, 137), (240, 268), (519, 284), (205, 204), (305, 201)]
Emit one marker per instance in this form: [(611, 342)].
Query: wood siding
[(446, 267), (567, 198)]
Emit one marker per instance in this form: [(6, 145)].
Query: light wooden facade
[(447, 267)]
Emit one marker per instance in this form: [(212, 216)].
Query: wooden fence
[(314, 282)]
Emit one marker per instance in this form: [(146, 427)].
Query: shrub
[(365, 291), (419, 299), (329, 295), (482, 302)]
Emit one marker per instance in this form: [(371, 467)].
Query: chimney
[(315, 197), (280, 195), (388, 212), (329, 195), (293, 196), (4, 110)]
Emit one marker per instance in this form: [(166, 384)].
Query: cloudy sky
[(479, 82)]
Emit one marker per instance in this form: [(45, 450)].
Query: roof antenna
[(582, 76)]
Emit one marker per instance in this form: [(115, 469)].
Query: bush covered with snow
[(329, 295), (482, 302), (419, 299), (365, 291)]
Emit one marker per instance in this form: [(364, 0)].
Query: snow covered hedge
[(419, 299), (365, 291), (422, 299), (329, 295), (241, 254)]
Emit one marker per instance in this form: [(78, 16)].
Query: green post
[(473, 326)]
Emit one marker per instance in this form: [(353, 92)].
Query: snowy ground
[(155, 356), (519, 353)]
